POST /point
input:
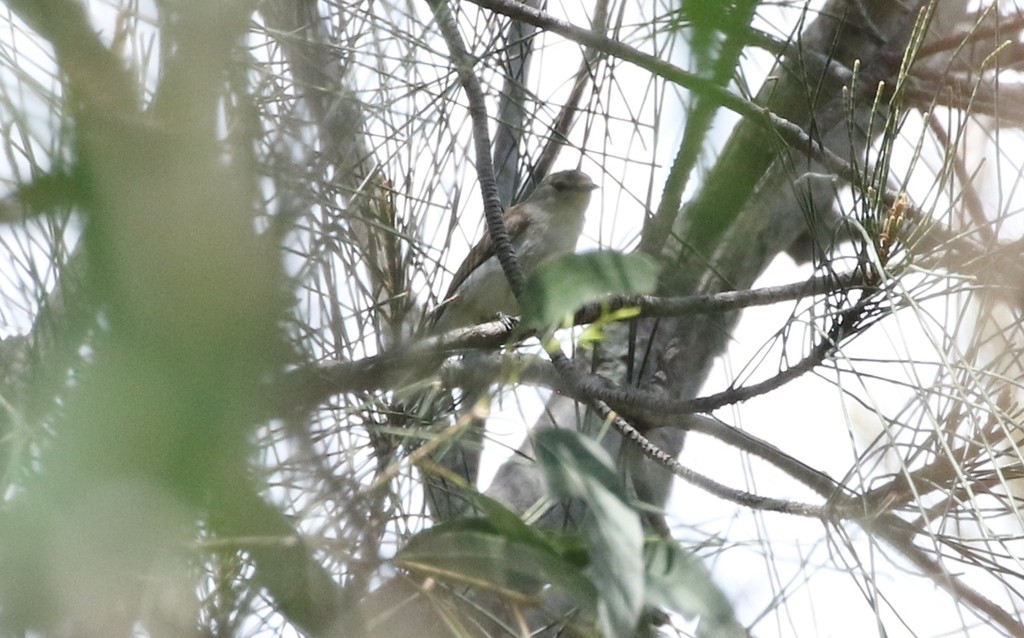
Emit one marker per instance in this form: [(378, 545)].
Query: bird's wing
[(516, 222)]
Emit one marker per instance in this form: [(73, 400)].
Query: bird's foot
[(509, 322)]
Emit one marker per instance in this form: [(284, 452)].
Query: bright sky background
[(808, 418)]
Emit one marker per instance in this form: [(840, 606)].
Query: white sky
[(808, 418)]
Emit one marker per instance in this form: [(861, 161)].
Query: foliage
[(225, 226)]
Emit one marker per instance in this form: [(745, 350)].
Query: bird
[(547, 223)]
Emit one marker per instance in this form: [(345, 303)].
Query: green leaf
[(475, 557), (678, 581), (594, 333), (577, 467), (499, 551), (560, 285)]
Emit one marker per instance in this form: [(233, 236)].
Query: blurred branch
[(397, 367), (320, 74), (511, 117), (191, 297), (698, 121), (94, 74), (563, 122), (355, 194), (614, 48), (481, 143)]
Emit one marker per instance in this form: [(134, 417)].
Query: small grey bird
[(546, 224)]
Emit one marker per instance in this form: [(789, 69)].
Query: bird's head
[(564, 191)]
